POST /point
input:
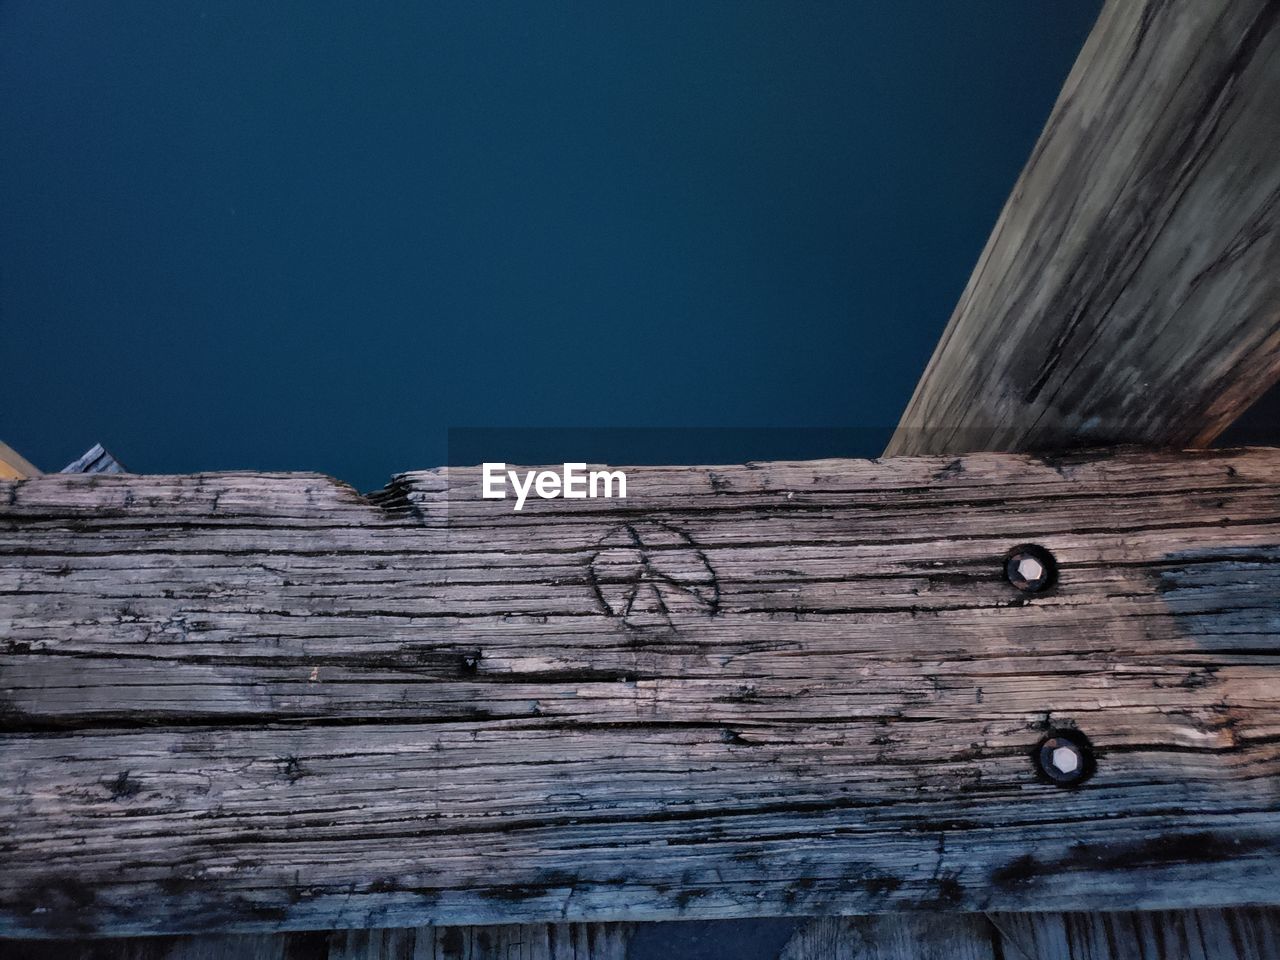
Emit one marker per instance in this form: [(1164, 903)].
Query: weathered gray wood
[(1130, 291), (1237, 934), (1231, 934), (246, 702), (559, 941), (905, 936), (218, 597), (1243, 934), (95, 460), (294, 946)]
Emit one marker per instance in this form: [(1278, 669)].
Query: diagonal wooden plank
[(14, 466), (247, 702), (1130, 290)]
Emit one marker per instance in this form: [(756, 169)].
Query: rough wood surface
[(1130, 291), (14, 466), (1240, 934), (559, 941), (1164, 935), (246, 702), (1233, 934), (290, 946), (901, 936), (97, 459)]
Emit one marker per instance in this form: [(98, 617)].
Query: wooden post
[(1130, 291)]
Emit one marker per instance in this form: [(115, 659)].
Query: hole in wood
[(1064, 758), (1031, 568)]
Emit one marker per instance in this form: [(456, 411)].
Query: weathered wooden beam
[(1130, 291), (257, 702)]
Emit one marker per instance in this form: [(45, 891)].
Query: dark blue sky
[(315, 235)]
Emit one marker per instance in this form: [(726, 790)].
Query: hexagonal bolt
[(1030, 568), (1065, 758)]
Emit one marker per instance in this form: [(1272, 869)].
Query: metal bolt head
[(1030, 568), (1065, 758)]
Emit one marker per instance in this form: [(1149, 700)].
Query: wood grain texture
[(1130, 291), (289, 946), (242, 702), (1244, 934), (14, 466), (903, 936), (557, 941), (1231, 934), (97, 459)]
